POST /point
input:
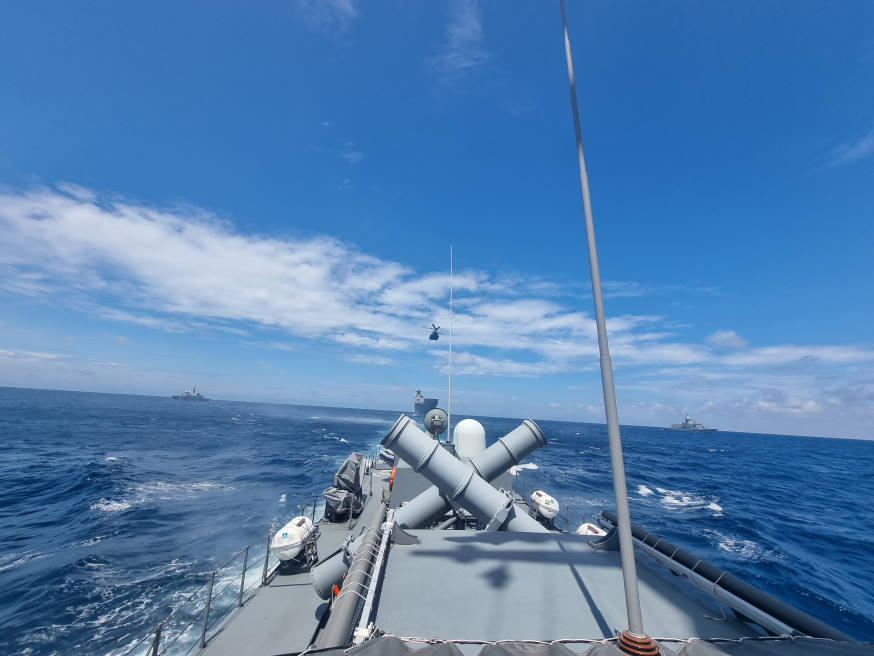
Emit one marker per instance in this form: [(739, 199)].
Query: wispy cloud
[(462, 49), (351, 154), (633, 289), (326, 14), (182, 269), (726, 339), (852, 152), (363, 358)]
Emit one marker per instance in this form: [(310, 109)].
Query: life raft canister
[(545, 505)]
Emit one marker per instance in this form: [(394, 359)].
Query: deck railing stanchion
[(157, 640), (243, 576), (315, 501), (206, 611), (266, 557)]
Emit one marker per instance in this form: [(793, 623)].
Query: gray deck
[(475, 585), (283, 615), (517, 586)]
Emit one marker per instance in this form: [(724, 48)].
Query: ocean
[(113, 508)]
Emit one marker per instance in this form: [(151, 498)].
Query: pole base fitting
[(637, 645)]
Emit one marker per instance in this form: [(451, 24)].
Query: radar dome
[(469, 438)]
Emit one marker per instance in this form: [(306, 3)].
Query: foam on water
[(679, 500), (108, 505)]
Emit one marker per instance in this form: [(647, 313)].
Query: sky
[(260, 200)]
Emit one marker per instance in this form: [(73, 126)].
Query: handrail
[(170, 635)]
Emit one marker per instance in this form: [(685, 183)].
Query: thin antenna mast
[(634, 638), (449, 400)]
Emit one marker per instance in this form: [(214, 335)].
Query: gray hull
[(421, 409)]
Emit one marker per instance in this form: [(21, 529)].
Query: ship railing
[(569, 517), (197, 619)]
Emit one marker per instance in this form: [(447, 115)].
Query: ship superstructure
[(190, 395), (690, 424), (422, 405)]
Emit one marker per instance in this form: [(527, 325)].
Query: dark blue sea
[(113, 508)]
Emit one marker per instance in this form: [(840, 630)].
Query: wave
[(685, 501), (153, 491), (108, 505)]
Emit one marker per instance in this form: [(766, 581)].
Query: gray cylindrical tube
[(338, 630), (330, 572), (458, 481), (509, 450), (491, 463)]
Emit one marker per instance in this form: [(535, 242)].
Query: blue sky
[(261, 201)]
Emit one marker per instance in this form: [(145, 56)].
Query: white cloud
[(466, 363), (29, 355), (791, 405), (328, 13), (180, 269), (361, 358), (351, 155), (852, 152), (633, 289), (726, 339), (789, 353), (462, 49)]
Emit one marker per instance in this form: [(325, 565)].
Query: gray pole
[(449, 399), (626, 546), (266, 558), (243, 577), (206, 611), (157, 641)]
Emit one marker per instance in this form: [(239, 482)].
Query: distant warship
[(190, 395), (690, 424), (423, 405)]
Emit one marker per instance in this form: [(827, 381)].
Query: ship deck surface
[(489, 586), (282, 617), (524, 586)]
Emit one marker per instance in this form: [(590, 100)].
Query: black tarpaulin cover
[(348, 477)]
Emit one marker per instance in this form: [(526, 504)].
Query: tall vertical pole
[(629, 570), (449, 401)]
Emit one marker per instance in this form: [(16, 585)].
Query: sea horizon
[(341, 407)]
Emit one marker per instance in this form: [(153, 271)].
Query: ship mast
[(449, 397), (634, 640)]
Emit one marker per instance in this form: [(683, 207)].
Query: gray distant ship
[(422, 405), (190, 395), (690, 424)]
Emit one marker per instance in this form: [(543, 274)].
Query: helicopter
[(435, 332)]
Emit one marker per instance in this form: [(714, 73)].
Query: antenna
[(449, 400), (634, 640)]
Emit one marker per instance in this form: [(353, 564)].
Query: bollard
[(243, 576), (206, 611), (157, 641)]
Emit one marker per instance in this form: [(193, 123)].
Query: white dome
[(469, 438)]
